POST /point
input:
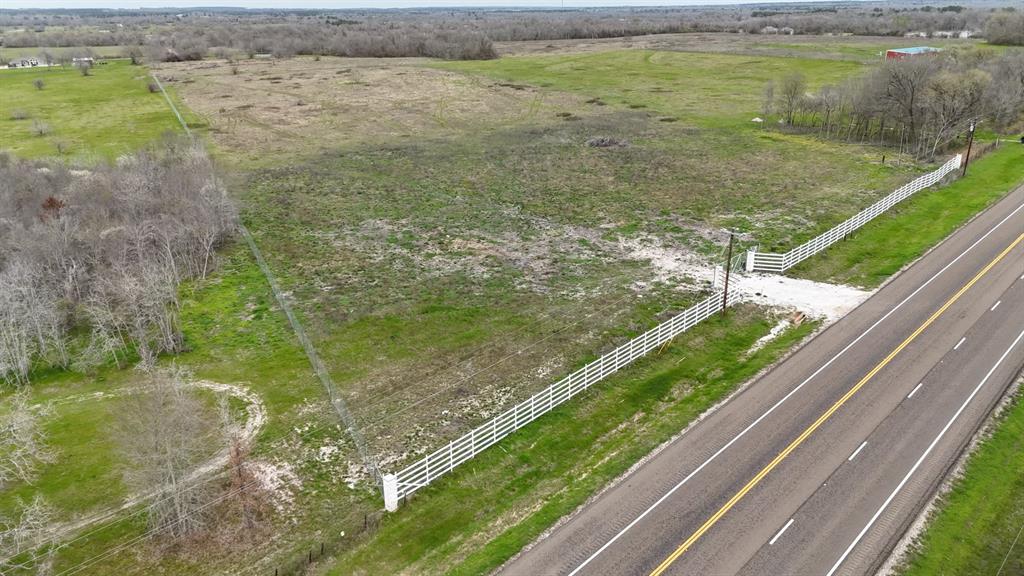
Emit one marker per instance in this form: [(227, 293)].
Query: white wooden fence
[(765, 262), (443, 460)]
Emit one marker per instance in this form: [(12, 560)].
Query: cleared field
[(863, 49), (452, 243), (105, 114)]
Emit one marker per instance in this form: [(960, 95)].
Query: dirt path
[(256, 416)]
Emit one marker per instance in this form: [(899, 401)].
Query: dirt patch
[(256, 416), (346, 102)]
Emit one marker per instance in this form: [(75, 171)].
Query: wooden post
[(970, 142), (728, 269)]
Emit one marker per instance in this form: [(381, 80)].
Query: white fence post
[(390, 492), (781, 262), (421, 473)]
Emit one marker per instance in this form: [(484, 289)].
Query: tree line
[(91, 260), (470, 33), (920, 104)]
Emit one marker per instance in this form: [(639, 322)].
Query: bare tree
[(19, 536), (22, 439), (951, 100), (248, 500), (906, 83), (767, 101), (165, 437), (794, 86), (1005, 28), (107, 252)]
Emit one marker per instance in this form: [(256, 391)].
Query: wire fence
[(307, 555), (778, 263), (445, 459), (314, 359)]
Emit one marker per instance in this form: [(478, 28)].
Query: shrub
[(40, 128)]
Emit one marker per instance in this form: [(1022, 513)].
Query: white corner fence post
[(716, 282), (390, 492), (749, 264)]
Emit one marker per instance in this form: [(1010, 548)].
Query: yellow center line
[(827, 414)]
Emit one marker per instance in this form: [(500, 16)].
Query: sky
[(357, 3)]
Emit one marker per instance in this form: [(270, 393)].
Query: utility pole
[(970, 141), (728, 269)]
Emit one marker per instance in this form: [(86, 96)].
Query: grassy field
[(901, 235), (452, 243), (475, 221), (708, 90), (863, 49), (108, 113), (977, 529), (462, 526), (237, 337), (7, 53)]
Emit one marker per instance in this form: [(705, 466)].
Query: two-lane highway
[(820, 465)]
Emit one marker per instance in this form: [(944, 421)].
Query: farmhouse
[(904, 53)]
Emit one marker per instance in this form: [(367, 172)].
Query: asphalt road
[(819, 467)]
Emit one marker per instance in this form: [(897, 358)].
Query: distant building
[(787, 30), (769, 30), (23, 63), (916, 35), (904, 53)]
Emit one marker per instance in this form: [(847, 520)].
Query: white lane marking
[(780, 532), (743, 433), (914, 391), (925, 455), (993, 308), (958, 344), (857, 451)]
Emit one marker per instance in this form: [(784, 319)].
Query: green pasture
[(108, 113)]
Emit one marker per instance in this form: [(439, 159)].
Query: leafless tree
[(767, 102), (1006, 91), (792, 91), (165, 435), (952, 99), (19, 537), (22, 439), (248, 501), (104, 251), (1005, 28)]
